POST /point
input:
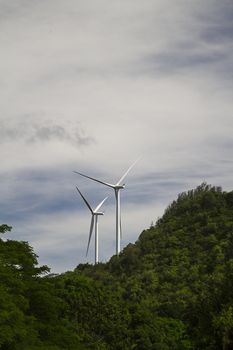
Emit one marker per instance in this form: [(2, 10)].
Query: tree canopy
[(171, 289)]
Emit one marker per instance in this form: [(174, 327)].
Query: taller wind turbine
[(94, 224), (117, 187)]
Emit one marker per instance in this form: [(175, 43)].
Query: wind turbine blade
[(131, 166), (99, 205), (101, 182), (90, 233), (88, 205)]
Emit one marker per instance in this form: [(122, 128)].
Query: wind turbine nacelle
[(120, 187)]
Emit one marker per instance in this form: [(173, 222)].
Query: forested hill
[(172, 289)]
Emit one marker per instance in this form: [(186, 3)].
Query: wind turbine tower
[(94, 225), (116, 187)]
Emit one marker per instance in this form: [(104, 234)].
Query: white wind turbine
[(117, 187), (94, 224)]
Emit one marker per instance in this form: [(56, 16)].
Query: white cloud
[(91, 86)]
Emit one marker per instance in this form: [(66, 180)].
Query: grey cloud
[(171, 61), (134, 34), (201, 40), (218, 32), (32, 132), (187, 56), (218, 22)]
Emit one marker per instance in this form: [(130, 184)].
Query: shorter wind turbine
[(116, 187), (94, 224)]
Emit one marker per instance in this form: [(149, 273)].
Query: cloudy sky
[(91, 86)]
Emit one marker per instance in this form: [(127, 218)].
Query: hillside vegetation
[(172, 289)]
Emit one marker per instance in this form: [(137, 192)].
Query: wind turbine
[(94, 224), (117, 187)]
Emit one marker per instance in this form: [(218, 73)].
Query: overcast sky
[(91, 86)]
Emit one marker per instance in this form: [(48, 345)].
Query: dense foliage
[(172, 289)]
